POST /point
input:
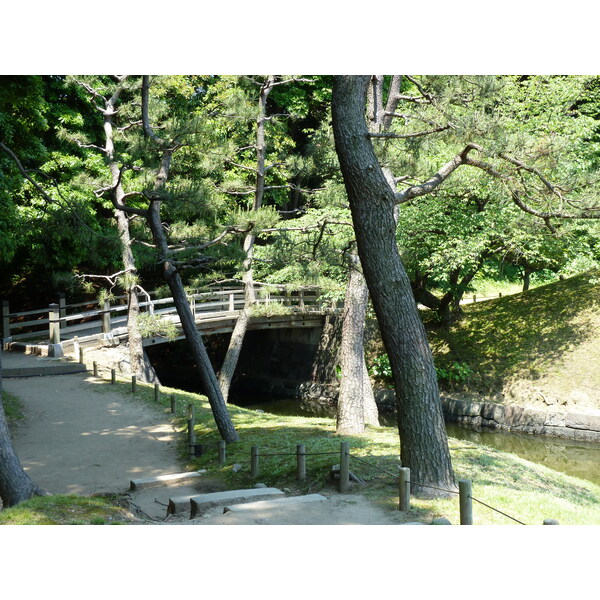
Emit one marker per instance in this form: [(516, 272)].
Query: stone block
[(275, 503), (164, 480), (203, 502)]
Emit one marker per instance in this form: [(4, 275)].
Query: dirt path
[(79, 437)]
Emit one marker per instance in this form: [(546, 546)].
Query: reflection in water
[(579, 459)]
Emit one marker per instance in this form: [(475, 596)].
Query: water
[(579, 459)]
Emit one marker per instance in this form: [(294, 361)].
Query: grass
[(13, 408), (507, 337), (64, 510), (547, 338), (526, 491)]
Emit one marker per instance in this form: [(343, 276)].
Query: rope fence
[(405, 485)]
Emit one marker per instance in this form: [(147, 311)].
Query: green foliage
[(155, 325), (381, 369), (454, 373)]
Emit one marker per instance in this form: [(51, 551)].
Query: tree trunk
[(137, 362), (527, 271), (424, 444), (239, 332), (138, 365), (15, 485), (356, 403), (193, 337)]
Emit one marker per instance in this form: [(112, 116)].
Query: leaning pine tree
[(423, 440)]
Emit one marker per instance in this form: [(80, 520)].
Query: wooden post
[(404, 489), (81, 361), (54, 324), (193, 306), (474, 298), (173, 406), (300, 462), (500, 295), (106, 317), (222, 452), (133, 384), (191, 427), (62, 303), (5, 319), (254, 461), (231, 302), (113, 376), (301, 295), (95, 367), (344, 466), (466, 505), (156, 392)]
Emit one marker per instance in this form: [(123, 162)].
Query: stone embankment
[(574, 423)]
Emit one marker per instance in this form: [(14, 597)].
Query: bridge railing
[(62, 320)]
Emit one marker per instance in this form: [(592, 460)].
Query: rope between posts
[(496, 510), (372, 465), (417, 484), (295, 453)]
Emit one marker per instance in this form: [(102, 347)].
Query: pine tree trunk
[(138, 365), (193, 337), (355, 400), (241, 326), (424, 444), (15, 485)]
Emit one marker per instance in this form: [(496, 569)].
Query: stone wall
[(576, 424)]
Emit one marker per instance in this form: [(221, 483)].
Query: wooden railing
[(63, 321)]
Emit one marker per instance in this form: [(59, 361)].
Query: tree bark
[(241, 326), (423, 440), (15, 485), (136, 349), (193, 337), (356, 402)]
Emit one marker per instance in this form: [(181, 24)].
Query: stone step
[(200, 503), (39, 370), (276, 503), (174, 479)]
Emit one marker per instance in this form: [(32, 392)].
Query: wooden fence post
[(344, 466), (113, 376), (95, 367), (62, 303), (156, 392), (222, 452), (81, 361), (301, 295), (191, 431), (54, 323), (300, 462), (231, 302), (173, 407), (254, 461), (133, 384), (5, 319), (106, 317), (474, 298), (404, 489), (466, 505)]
